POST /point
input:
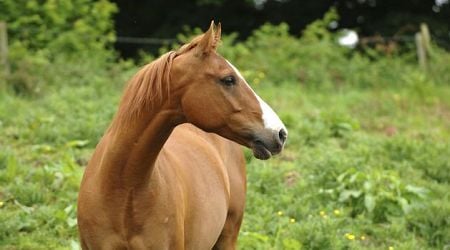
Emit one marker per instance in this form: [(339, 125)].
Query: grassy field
[(366, 166), (363, 168)]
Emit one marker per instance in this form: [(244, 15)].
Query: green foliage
[(317, 31), (432, 222), (368, 183), (366, 165), (381, 193), (62, 26), (29, 72), (43, 34), (316, 60)]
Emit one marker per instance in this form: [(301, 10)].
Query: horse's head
[(216, 98)]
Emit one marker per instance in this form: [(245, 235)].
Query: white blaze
[(269, 117)]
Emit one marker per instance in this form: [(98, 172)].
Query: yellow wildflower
[(322, 213), (292, 220), (1, 203), (363, 237), (349, 236), (337, 212), (280, 213), (391, 248)]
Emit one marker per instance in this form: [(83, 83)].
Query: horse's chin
[(260, 151)]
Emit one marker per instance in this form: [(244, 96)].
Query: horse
[(169, 172)]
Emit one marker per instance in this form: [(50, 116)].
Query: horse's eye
[(228, 80)]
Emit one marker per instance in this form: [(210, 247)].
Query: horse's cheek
[(201, 115)]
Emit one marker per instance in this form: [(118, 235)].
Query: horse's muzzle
[(268, 143)]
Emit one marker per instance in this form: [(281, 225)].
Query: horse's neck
[(132, 149)]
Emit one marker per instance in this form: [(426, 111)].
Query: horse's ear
[(208, 42), (218, 34)]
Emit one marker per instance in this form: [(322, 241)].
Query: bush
[(45, 32), (63, 26), (381, 194)]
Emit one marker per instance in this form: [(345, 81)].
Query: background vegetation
[(381, 20), (366, 166)]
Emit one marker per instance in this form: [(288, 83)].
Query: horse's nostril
[(282, 134)]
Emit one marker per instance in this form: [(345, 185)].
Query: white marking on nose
[(269, 117)]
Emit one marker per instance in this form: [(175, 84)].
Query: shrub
[(380, 193), (63, 26), (45, 32)]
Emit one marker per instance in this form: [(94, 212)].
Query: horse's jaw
[(260, 151)]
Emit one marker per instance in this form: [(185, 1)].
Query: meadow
[(366, 166)]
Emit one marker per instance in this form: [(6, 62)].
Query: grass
[(363, 168), (388, 148)]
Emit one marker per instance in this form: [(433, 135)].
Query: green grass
[(371, 163)]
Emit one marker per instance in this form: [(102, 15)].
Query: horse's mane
[(150, 85)]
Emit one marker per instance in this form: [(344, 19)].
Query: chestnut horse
[(167, 173)]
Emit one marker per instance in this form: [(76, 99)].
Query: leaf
[(354, 177), (291, 244), (346, 194), (43, 148), (71, 222), (369, 202), (68, 209), (258, 236), (74, 245), (343, 126), (404, 204), (77, 143), (26, 209), (367, 185), (341, 177), (419, 191)]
